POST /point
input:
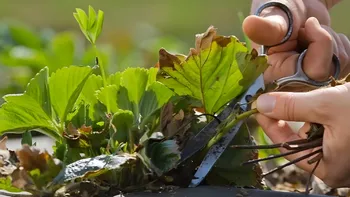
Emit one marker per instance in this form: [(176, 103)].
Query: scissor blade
[(213, 155), (217, 149), (198, 142)]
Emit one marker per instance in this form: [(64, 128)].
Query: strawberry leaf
[(31, 110), (38, 89), (21, 113), (218, 69), (66, 85), (160, 156), (123, 121)]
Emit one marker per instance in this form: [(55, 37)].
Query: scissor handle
[(301, 77), (264, 49)]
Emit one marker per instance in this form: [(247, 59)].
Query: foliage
[(90, 25), (127, 128), (24, 51), (218, 69)]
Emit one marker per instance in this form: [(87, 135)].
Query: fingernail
[(265, 103)]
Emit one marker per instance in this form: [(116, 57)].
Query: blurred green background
[(41, 33)]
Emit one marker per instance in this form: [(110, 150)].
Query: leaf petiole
[(99, 63), (228, 127)]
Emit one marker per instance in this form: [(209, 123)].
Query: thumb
[(296, 106), (267, 30)]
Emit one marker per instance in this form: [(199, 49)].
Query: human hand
[(311, 29), (326, 106)]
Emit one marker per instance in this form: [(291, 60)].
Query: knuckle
[(345, 49), (322, 106), (343, 36), (328, 37), (342, 53), (325, 105), (289, 106), (343, 57), (320, 74)]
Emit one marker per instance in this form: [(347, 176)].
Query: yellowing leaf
[(219, 69)]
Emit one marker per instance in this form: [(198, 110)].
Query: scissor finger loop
[(264, 49), (301, 77)]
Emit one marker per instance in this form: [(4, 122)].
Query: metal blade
[(217, 149), (197, 142), (213, 155)]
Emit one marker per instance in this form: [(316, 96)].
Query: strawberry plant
[(124, 131)]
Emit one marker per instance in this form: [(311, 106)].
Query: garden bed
[(126, 131)]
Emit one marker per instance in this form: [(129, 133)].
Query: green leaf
[(228, 169), (263, 139), (90, 25), (92, 167), (135, 81), (38, 89), (152, 76), (108, 96), (27, 138), (161, 156), (99, 24), (31, 110), (88, 94), (114, 79), (23, 35), (123, 121), (218, 69), (123, 100), (92, 17), (80, 116), (83, 18), (21, 55), (62, 50), (21, 112), (154, 98), (6, 184), (137, 90), (66, 85)]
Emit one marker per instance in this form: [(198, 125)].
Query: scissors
[(198, 142)]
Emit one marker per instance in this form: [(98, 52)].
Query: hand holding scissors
[(199, 141), (327, 106), (311, 30)]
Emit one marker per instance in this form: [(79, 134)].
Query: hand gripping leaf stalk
[(214, 144)]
